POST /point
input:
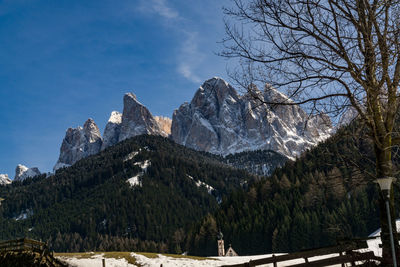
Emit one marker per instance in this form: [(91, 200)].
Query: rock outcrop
[(165, 124), (79, 143), (22, 172), (4, 179), (137, 119), (112, 130), (220, 121)]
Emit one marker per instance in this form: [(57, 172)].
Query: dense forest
[(259, 162), (91, 206), (326, 195)]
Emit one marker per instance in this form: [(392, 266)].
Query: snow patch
[(4, 179), (115, 117), (200, 183), (143, 164), (24, 215), (135, 180), (130, 156)]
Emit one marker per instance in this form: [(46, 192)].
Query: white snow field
[(167, 261)]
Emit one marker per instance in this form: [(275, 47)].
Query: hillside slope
[(139, 194), (326, 195)]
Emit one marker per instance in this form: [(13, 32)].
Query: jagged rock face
[(22, 172), (137, 119), (79, 143), (220, 121), (4, 179), (165, 124), (112, 130)]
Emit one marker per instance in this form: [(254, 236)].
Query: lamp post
[(385, 185)]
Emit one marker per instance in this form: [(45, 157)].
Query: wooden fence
[(23, 244), (347, 253)]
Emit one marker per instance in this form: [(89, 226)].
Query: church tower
[(221, 246)]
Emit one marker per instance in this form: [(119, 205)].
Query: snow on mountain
[(135, 180), (220, 121), (79, 143), (135, 119), (131, 155), (4, 179), (22, 172), (200, 183), (25, 214), (112, 130)]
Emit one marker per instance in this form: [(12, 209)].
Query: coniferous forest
[(326, 195), (90, 206), (186, 197)]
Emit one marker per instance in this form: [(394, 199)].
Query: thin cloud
[(186, 71), (190, 58), (159, 7)]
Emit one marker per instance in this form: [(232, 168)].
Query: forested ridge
[(326, 195), (90, 206)]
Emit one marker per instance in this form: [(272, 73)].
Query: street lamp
[(385, 184)]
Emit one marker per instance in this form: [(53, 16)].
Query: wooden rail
[(344, 249), (22, 244)]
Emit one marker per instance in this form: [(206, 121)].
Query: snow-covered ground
[(166, 261), (96, 261), (373, 244)]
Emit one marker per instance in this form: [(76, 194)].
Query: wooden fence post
[(104, 262), (275, 264)]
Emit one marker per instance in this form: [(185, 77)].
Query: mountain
[(79, 143), (220, 121), (140, 194), (4, 179), (137, 119), (22, 172), (217, 120)]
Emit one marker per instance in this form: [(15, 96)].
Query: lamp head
[(385, 183)]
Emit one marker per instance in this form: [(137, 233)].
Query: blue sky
[(64, 61)]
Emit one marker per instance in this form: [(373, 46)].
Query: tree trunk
[(384, 169)]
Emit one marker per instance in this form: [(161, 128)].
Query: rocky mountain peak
[(91, 131), (219, 120), (214, 91), (79, 143), (137, 119), (4, 179), (112, 130), (22, 172)]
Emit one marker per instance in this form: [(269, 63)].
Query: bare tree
[(328, 55)]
